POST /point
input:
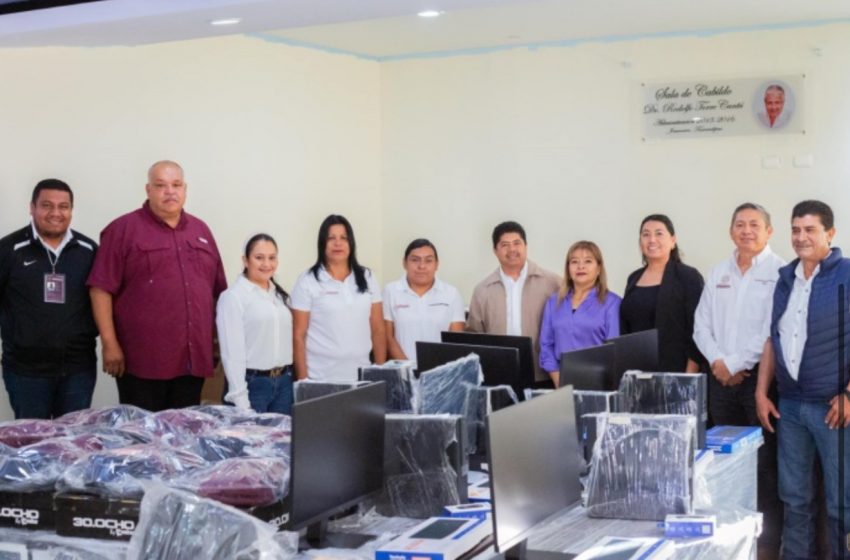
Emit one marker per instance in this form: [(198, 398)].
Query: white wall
[(552, 138), (272, 138)]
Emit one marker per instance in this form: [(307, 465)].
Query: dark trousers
[(736, 406), (160, 394), (48, 397)]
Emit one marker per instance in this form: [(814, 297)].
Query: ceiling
[(388, 29)]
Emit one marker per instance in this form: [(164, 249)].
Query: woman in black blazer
[(664, 295)]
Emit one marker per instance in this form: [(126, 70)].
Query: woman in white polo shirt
[(418, 306), (255, 333), (336, 310)]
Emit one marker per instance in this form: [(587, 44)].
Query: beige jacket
[(488, 313)]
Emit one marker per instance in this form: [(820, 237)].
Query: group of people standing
[(155, 291)]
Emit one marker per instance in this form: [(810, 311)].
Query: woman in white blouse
[(336, 309), (255, 333)]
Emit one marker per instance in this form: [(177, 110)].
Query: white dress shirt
[(339, 336), (254, 332), (421, 318), (732, 320), (793, 328), (513, 300)]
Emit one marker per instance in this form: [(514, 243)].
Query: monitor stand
[(521, 552), (318, 537)]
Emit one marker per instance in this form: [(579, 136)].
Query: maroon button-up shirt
[(164, 283)]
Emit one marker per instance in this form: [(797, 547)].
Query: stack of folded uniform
[(242, 482), (19, 433), (268, 419), (175, 427), (110, 416), (118, 472), (642, 467), (243, 440)]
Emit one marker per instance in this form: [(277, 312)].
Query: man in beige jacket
[(510, 300)]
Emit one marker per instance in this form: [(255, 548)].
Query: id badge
[(54, 288)]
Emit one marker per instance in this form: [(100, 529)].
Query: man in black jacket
[(49, 361)]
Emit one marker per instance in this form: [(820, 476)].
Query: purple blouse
[(564, 330)]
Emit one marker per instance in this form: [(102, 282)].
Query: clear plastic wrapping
[(452, 388), (243, 482), (177, 427), (269, 419), (398, 377), (425, 465), (176, 525), (588, 404), (642, 467), (243, 440), (667, 393), (118, 472), (729, 480), (110, 416), (18, 433), (44, 545), (490, 399), (38, 466)]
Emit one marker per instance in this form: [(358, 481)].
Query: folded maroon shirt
[(19, 433), (243, 482)]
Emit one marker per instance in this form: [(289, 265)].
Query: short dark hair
[(51, 185), (668, 223), (507, 227), (418, 244), (752, 206), (322, 242), (815, 208)]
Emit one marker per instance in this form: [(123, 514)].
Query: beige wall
[(274, 138), (552, 138)]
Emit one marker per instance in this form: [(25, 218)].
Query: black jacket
[(41, 338), (678, 296)]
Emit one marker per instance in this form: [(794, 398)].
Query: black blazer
[(678, 296)]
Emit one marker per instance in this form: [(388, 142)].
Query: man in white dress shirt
[(731, 326)]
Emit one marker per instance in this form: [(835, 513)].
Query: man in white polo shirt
[(418, 306), (731, 325)]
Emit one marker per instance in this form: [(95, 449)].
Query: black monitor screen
[(635, 351), (589, 369), (534, 460), (337, 452), (521, 343), (500, 366)]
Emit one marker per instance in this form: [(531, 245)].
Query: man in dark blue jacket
[(809, 358)]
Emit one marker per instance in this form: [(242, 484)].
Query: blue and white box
[(476, 510), (437, 538), (689, 526), (729, 439)]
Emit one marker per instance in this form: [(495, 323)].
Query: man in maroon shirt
[(154, 285)]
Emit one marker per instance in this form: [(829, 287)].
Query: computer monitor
[(589, 369), (534, 472), (635, 351), (337, 460), (500, 366), (521, 343)]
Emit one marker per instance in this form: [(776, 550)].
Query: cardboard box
[(27, 510), (478, 510), (729, 439), (685, 526), (437, 538)]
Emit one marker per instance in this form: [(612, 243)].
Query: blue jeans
[(270, 394), (802, 436), (50, 396)]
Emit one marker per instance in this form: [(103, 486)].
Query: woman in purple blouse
[(582, 313)]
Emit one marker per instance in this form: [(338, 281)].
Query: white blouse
[(254, 332)]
